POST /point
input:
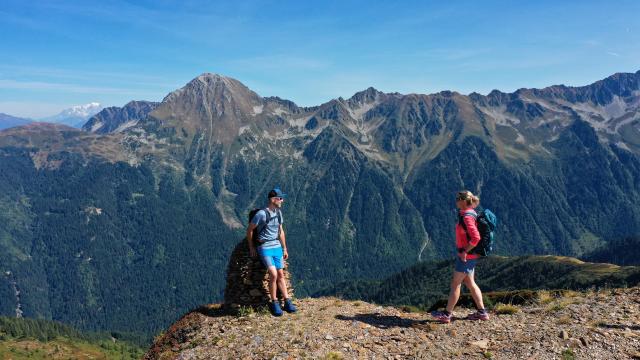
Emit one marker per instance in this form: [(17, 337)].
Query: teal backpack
[(486, 222)]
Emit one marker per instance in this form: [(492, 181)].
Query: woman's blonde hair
[(468, 198)]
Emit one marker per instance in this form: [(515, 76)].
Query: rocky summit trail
[(602, 324)]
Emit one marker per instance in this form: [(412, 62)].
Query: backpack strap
[(267, 215), (471, 213), (268, 218)]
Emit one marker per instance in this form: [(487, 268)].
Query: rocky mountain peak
[(210, 103), (365, 96), (217, 89)]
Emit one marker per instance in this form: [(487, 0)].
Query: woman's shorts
[(272, 257), (465, 267)]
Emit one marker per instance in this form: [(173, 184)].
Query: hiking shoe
[(275, 309), (441, 316), (479, 315), (289, 307)]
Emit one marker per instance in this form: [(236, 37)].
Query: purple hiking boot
[(479, 315), (442, 316)]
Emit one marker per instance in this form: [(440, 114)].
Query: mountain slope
[(40, 339), (424, 284), (115, 119), (8, 121), (623, 252)]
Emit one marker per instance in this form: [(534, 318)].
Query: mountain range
[(75, 116), (125, 224)]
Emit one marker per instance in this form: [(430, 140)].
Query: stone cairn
[(248, 280)]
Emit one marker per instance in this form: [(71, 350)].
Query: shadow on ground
[(385, 322)]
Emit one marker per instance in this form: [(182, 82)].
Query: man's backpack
[(486, 222), (261, 227)]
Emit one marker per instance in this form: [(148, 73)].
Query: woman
[(467, 237)]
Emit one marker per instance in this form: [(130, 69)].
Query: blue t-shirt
[(269, 236)]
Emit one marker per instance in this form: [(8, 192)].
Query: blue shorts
[(465, 267), (272, 257)]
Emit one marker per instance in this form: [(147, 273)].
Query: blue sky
[(55, 54)]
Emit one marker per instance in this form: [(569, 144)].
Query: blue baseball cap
[(276, 192)]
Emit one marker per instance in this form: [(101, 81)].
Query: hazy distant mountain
[(126, 230), (116, 119), (75, 116), (7, 121)]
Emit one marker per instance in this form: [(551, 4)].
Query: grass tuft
[(564, 320), (556, 307), (410, 309), (568, 354), (333, 355), (506, 309), (243, 311)]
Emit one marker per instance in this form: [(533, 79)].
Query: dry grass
[(333, 355), (559, 306), (506, 309), (545, 298), (409, 309)]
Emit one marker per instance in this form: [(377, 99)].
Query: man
[(272, 248)]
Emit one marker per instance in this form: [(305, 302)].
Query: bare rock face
[(248, 280), (118, 119)]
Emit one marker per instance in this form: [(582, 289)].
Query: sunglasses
[(279, 198)]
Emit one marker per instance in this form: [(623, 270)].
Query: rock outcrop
[(248, 280), (591, 325)]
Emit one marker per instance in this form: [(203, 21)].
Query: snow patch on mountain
[(258, 109), (75, 116), (500, 116)]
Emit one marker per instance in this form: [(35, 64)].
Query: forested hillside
[(624, 251), (424, 284), (40, 339)]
